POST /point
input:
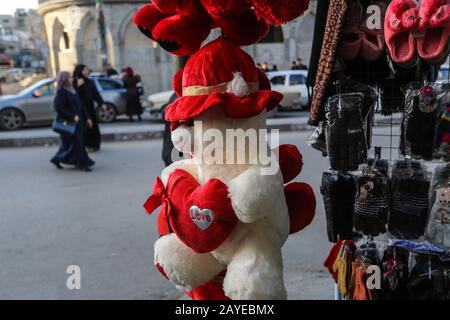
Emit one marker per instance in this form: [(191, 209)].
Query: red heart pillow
[(201, 216)]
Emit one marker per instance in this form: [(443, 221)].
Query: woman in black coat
[(89, 94), (130, 82), (69, 109)]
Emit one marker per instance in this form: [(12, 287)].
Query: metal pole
[(102, 32)]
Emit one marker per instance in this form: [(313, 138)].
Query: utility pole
[(102, 32)]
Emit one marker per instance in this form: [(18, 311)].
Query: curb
[(144, 135)]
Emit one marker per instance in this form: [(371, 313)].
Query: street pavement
[(123, 130), (50, 219), (149, 128)]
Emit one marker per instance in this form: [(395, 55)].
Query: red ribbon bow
[(159, 197)]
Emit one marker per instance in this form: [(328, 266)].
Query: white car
[(292, 84), (157, 100)]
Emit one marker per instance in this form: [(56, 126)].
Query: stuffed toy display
[(222, 223), (180, 26)]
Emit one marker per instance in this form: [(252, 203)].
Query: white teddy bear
[(225, 209)]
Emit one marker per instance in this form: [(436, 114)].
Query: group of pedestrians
[(298, 65), (266, 68), (74, 104), (295, 65)]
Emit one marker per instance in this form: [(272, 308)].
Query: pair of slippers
[(362, 35), (414, 31)]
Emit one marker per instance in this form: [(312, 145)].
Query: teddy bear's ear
[(147, 18), (182, 34), (277, 12)]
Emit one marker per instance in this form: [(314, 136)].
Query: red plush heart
[(301, 204), (201, 216)]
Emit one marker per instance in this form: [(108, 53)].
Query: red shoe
[(373, 44), (434, 27), (399, 24)]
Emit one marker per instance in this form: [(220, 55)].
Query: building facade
[(72, 34), (21, 39)]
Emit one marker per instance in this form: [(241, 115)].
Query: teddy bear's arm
[(186, 164), (254, 195)]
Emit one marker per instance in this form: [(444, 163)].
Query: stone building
[(73, 37)]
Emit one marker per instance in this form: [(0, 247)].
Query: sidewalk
[(146, 130)]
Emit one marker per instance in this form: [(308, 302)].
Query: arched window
[(275, 34), (66, 40)]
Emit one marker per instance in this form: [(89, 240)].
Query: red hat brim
[(189, 107)]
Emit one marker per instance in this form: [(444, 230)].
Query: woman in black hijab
[(68, 109), (88, 94)]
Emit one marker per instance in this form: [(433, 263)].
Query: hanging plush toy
[(180, 26), (232, 218), (225, 212)]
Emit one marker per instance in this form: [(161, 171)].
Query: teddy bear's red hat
[(221, 74)]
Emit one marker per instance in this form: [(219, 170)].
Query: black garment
[(410, 204), (418, 126), (370, 100), (346, 131), (371, 204), (319, 31), (72, 151), (338, 192), (89, 94), (426, 285), (134, 106)]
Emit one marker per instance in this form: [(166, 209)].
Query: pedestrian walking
[(89, 94), (130, 82), (70, 122)]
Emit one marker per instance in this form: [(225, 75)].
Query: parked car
[(156, 101), (34, 105), (292, 84)]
